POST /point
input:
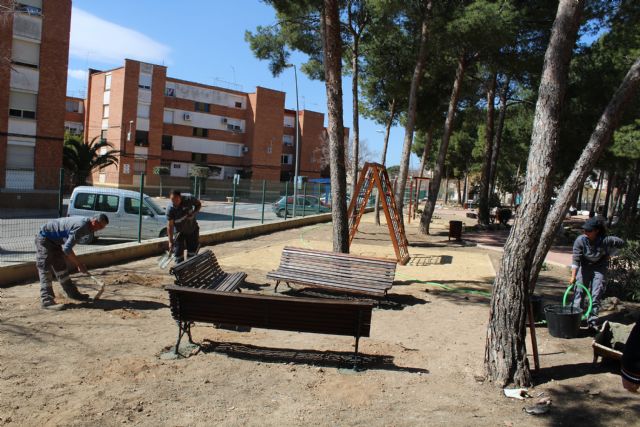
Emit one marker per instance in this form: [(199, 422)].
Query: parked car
[(123, 208), (306, 206)]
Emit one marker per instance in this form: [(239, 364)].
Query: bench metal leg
[(183, 327), (355, 355), (277, 284)]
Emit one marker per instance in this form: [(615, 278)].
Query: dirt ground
[(100, 364)]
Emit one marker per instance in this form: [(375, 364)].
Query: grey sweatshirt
[(66, 231), (595, 255)]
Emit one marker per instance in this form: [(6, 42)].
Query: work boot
[(52, 306)]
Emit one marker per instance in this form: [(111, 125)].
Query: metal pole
[(286, 196), (140, 205), (304, 199), (297, 165), (318, 208), (61, 193), (264, 186), (233, 211)]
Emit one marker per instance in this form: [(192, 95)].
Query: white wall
[(204, 120), (206, 146), (24, 78), (209, 96)]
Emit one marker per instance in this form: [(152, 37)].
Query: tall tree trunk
[(485, 179), (446, 187), (497, 141), (434, 183), (466, 187), (411, 110), (596, 193), (598, 141), (611, 180), (631, 200), (383, 160), (460, 202), (423, 162), (579, 204), (505, 354), (356, 113), (332, 49)]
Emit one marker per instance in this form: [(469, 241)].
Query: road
[(18, 227)]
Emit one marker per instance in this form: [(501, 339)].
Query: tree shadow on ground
[(418, 260), (575, 370), (442, 244), (579, 406), (329, 359), (254, 286), (391, 302), (108, 305)]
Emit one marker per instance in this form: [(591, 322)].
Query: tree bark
[(423, 161), (460, 202), (356, 113), (497, 141), (505, 353), (383, 160), (485, 180), (434, 183), (411, 110), (611, 180), (596, 193), (598, 141), (579, 204), (332, 49), (631, 200)]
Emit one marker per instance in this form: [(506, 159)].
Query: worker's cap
[(592, 224)]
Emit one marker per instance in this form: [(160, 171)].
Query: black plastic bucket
[(563, 321)]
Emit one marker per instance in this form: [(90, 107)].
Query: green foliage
[(199, 171), (627, 141), (161, 170), (81, 158), (623, 278)]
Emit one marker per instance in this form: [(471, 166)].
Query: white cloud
[(97, 40), (78, 74)]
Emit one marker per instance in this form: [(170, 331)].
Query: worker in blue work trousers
[(182, 228), (591, 253), (54, 246)]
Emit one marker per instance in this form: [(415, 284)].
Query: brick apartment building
[(156, 120), (34, 46), (74, 116)]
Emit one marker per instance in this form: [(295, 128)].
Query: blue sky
[(201, 41)]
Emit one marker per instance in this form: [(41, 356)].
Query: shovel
[(99, 283), (165, 260)]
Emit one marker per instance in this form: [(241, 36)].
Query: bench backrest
[(201, 271), (333, 263), (335, 317)]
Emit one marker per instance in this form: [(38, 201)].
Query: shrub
[(623, 278)]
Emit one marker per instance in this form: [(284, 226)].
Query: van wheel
[(163, 233), (280, 213)]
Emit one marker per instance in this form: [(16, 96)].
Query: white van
[(122, 208)]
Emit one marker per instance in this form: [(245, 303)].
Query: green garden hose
[(564, 298)]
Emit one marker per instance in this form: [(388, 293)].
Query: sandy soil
[(100, 364)]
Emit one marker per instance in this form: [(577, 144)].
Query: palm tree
[(82, 158)]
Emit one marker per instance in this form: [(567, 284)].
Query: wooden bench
[(321, 316), (335, 271), (203, 272)]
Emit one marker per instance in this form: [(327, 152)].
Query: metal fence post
[(233, 210), (286, 198), (304, 199), (140, 205), (264, 187), (318, 208), (61, 193)]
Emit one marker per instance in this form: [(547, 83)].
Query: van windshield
[(149, 201)]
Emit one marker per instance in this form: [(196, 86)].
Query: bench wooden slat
[(204, 272)]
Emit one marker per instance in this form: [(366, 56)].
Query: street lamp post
[(297, 166)]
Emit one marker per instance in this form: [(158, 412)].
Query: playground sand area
[(102, 364)]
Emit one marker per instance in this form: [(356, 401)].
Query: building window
[(32, 7), (234, 128), (103, 135), (20, 165), (287, 140), (107, 82), (22, 104), (169, 91), (143, 110), (286, 159), (105, 111), (72, 106), (167, 117), (145, 81), (198, 157), (167, 142), (238, 104), (201, 132), (142, 138), (25, 53), (202, 106)]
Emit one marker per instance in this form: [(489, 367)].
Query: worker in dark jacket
[(591, 253), (54, 246), (182, 228), (631, 360)]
